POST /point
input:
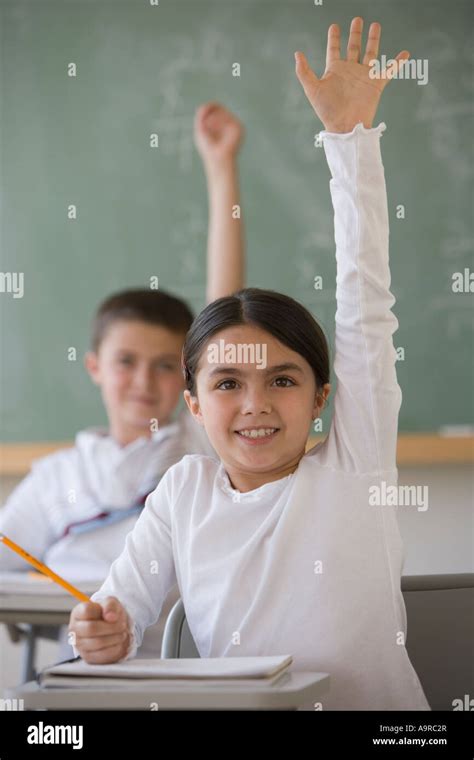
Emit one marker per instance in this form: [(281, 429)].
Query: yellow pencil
[(43, 569)]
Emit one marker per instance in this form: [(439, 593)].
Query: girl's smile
[(257, 436)]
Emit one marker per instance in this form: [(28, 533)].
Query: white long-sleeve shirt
[(73, 489), (304, 565)]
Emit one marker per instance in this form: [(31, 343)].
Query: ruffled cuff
[(355, 157), (358, 129), (133, 646)]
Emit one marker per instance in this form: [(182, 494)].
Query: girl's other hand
[(101, 631)]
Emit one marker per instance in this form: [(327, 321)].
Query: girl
[(276, 551)]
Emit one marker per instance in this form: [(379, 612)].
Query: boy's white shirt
[(303, 565), (76, 484)]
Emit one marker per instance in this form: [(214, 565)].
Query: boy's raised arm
[(218, 135)]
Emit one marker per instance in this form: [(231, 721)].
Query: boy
[(75, 508)]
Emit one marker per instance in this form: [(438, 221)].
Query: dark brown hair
[(281, 316), (156, 307)]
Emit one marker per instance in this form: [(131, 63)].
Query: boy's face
[(138, 369), (239, 396)]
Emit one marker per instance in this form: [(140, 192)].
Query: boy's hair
[(156, 307), (281, 316)]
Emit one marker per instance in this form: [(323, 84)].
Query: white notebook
[(140, 671)]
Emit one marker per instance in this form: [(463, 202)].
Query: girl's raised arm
[(363, 435)]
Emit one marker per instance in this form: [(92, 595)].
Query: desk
[(36, 603), (289, 692)]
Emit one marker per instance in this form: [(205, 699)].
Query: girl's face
[(265, 387)]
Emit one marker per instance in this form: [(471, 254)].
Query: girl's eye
[(166, 367), (281, 382), (285, 380), (126, 360), (226, 382)]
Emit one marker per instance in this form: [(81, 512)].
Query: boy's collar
[(102, 433)]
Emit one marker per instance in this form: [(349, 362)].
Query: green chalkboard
[(142, 212)]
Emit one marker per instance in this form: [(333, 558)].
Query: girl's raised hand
[(346, 94), (217, 132)]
